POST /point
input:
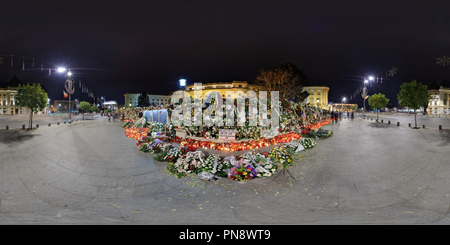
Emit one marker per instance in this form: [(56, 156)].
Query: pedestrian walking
[(109, 118)]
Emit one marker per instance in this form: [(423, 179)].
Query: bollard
[(7, 127), (381, 121), (64, 122), (57, 123), (440, 126), (23, 126), (389, 122), (398, 123), (423, 126), (37, 125), (409, 124), (49, 124)]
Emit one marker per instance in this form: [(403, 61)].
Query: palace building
[(440, 94), (8, 94), (318, 96), (221, 87), (131, 99)]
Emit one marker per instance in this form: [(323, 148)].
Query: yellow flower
[(244, 173)]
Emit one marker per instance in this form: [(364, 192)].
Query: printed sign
[(227, 134), (180, 133)]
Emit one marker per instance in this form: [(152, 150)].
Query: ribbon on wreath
[(215, 165), (255, 164), (174, 149), (199, 156)]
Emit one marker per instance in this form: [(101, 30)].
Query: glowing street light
[(182, 82), (371, 78), (183, 85), (61, 69)]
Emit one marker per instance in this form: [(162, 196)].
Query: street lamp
[(69, 85), (343, 100), (183, 85), (61, 69)]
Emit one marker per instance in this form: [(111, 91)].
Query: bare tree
[(287, 79)]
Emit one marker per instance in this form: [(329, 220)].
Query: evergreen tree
[(143, 100)]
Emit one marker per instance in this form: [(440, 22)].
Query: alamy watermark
[(215, 113)]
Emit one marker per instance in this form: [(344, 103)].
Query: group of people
[(336, 115), (112, 115)]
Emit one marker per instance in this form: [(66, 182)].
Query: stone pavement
[(89, 172)]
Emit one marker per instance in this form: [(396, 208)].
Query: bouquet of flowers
[(142, 122), (191, 162), (295, 146), (127, 124), (281, 155), (173, 154), (242, 171), (261, 162), (265, 164), (215, 165), (157, 146), (143, 146), (307, 143), (323, 133), (156, 127)]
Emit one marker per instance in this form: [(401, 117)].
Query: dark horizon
[(118, 47)]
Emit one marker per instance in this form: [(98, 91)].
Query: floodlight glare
[(61, 69), (371, 78)]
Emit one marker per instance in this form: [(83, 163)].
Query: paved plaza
[(89, 172)]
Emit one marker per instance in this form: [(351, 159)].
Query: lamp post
[(343, 100), (183, 85), (364, 94), (69, 86)]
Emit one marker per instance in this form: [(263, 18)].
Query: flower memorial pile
[(141, 122), (300, 125)]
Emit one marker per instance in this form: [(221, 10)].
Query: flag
[(65, 94)]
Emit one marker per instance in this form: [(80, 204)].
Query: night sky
[(116, 47)]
